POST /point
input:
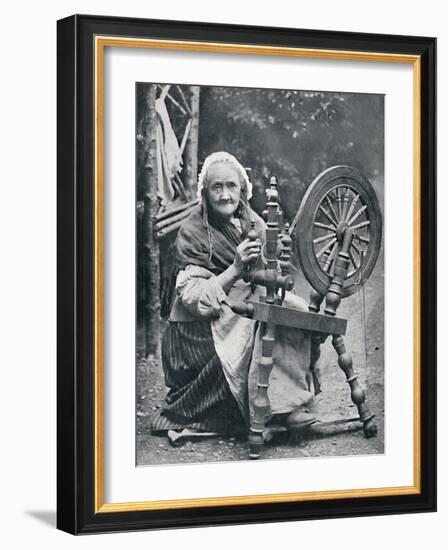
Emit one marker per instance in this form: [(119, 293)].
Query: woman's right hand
[(246, 252)]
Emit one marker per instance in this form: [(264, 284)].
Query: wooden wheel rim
[(365, 218)]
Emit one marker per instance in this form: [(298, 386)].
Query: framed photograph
[(246, 274)]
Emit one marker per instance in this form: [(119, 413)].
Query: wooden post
[(261, 404), (190, 168), (332, 301), (151, 244)]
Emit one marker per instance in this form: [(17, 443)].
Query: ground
[(365, 342)]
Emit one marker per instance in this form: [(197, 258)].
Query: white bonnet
[(222, 156)]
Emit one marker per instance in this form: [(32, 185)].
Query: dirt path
[(334, 401)]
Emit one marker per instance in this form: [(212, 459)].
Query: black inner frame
[(75, 172)]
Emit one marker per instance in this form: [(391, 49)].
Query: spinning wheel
[(338, 199), (338, 241)]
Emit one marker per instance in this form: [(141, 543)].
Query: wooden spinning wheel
[(338, 233), (340, 198)]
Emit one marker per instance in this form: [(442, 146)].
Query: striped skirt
[(199, 396)]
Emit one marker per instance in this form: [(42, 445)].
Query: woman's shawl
[(209, 241)]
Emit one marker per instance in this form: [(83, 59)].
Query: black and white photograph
[(259, 274)]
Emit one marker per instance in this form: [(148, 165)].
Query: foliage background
[(293, 135)]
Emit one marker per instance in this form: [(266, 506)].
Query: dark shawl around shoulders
[(198, 231)]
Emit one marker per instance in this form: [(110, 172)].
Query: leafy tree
[(292, 134)]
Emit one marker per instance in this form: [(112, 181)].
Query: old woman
[(209, 354)]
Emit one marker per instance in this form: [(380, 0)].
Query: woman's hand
[(246, 252)]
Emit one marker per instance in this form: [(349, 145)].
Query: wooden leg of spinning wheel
[(316, 339), (261, 405), (357, 393)]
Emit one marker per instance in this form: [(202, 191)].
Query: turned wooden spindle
[(342, 262), (332, 301), (261, 404), (316, 300), (316, 340), (272, 229), (269, 276), (285, 257), (357, 393), (252, 235)]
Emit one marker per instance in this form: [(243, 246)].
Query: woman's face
[(224, 189)]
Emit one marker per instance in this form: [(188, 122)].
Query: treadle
[(271, 431)]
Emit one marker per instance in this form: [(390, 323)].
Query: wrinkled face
[(224, 189)]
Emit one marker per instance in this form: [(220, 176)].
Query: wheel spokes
[(345, 203), (352, 207), (327, 215), (355, 246), (354, 262), (330, 206), (356, 216), (361, 238), (338, 200), (325, 226), (339, 205), (362, 224), (324, 237), (326, 247), (340, 208), (330, 257)]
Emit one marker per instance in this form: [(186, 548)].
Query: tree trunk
[(190, 170), (150, 244)]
